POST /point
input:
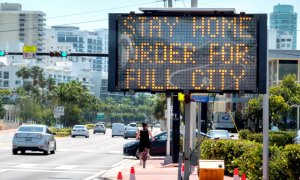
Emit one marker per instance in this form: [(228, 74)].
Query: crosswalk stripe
[(66, 167), (25, 165)]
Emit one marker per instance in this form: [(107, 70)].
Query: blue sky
[(92, 14)]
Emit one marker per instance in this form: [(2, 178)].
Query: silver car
[(33, 138), (80, 130), (219, 134), (99, 128)]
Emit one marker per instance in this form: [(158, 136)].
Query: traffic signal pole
[(69, 54)]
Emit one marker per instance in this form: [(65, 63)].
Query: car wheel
[(104, 132), (112, 136), (23, 151), (53, 151), (87, 136), (94, 132), (137, 154), (73, 136), (46, 152), (125, 137), (15, 152)]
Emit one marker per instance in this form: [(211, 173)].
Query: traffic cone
[(119, 176), (236, 174), (244, 176), (132, 174), (182, 171)]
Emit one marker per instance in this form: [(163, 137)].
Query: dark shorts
[(142, 146)]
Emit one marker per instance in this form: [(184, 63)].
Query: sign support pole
[(266, 127), (199, 131), (187, 150), (168, 158)]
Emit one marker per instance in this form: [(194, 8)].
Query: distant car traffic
[(130, 131), (117, 129), (219, 134), (297, 138), (99, 128), (158, 146), (80, 130), (33, 138)]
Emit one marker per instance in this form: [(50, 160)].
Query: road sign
[(100, 116), (196, 53), (59, 110), (201, 98), (29, 52)]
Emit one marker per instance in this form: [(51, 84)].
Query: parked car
[(297, 138), (274, 128), (130, 131), (219, 134), (158, 146), (33, 138), (80, 130), (117, 129), (99, 128)]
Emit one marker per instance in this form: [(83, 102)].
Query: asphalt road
[(75, 158)]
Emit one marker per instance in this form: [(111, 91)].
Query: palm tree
[(23, 73), (51, 83), (36, 74)]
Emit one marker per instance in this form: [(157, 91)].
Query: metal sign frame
[(261, 52)]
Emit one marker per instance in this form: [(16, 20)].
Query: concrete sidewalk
[(155, 170)]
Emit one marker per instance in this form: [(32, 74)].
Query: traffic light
[(180, 97), (58, 53), (2, 53)]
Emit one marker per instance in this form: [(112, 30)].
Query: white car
[(80, 130), (33, 138)]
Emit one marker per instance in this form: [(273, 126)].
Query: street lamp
[(297, 105)]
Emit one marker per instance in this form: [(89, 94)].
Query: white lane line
[(24, 166), (3, 170), (121, 162), (95, 175), (66, 167), (51, 171)]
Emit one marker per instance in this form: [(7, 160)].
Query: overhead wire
[(86, 12)]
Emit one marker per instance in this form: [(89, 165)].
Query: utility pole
[(194, 3)]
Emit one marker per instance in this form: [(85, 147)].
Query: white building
[(285, 41), (20, 28)]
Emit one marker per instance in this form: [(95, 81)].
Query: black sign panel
[(176, 53)]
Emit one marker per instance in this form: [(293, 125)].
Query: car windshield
[(79, 127), (30, 129), (99, 125), (218, 133), (157, 125), (132, 125)]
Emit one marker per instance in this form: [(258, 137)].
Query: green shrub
[(226, 150), (255, 137), (65, 130), (284, 162), (292, 154), (90, 126), (279, 138), (244, 133)]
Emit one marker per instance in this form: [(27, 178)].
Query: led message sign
[(195, 53)]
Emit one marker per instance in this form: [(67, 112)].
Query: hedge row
[(90, 126), (278, 138), (247, 156), (61, 132)]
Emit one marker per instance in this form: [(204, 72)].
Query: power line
[(86, 12)]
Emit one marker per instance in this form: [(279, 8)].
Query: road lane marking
[(51, 171), (66, 167), (25, 166), (121, 162), (3, 170), (95, 175)]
